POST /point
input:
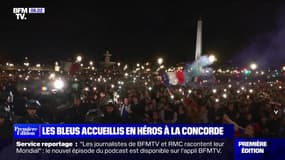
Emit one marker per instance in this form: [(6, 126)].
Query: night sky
[(135, 31)]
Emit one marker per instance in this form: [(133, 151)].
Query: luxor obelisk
[(198, 51)]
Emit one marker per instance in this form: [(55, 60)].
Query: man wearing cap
[(111, 115), (31, 115)]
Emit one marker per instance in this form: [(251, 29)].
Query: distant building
[(107, 62)]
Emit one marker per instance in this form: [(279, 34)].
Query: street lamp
[(159, 61), (212, 58), (78, 58), (253, 66)]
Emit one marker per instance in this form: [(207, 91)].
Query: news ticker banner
[(166, 141), (119, 131)]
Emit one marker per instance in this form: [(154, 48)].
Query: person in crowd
[(137, 110), (6, 99), (181, 115), (125, 110), (5, 124), (31, 115), (111, 115), (215, 114), (167, 114), (103, 99)]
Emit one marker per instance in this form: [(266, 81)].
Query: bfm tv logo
[(22, 12)]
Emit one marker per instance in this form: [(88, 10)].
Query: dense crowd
[(254, 104)]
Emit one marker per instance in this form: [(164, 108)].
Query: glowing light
[(149, 88), (52, 76), (212, 58), (112, 86), (214, 91), (250, 90), (246, 72), (78, 58), (253, 66), (242, 88), (230, 86), (225, 90), (38, 65), (24, 89), (44, 88), (238, 91), (138, 65), (217, 100), (86, 89), (118, 63), (125, 67), (160, 61), (11, 65), (26, 64), (172, 96), (58, 84), (224, 95), (91, 63), (283, 68), (126, 74), (57, 68), (94, 88), (189, 91), (280, 87)]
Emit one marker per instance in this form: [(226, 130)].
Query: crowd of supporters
[(254, 105)]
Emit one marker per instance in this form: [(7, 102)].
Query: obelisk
[(198, 51)]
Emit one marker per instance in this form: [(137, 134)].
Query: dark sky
[(133, 30)]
